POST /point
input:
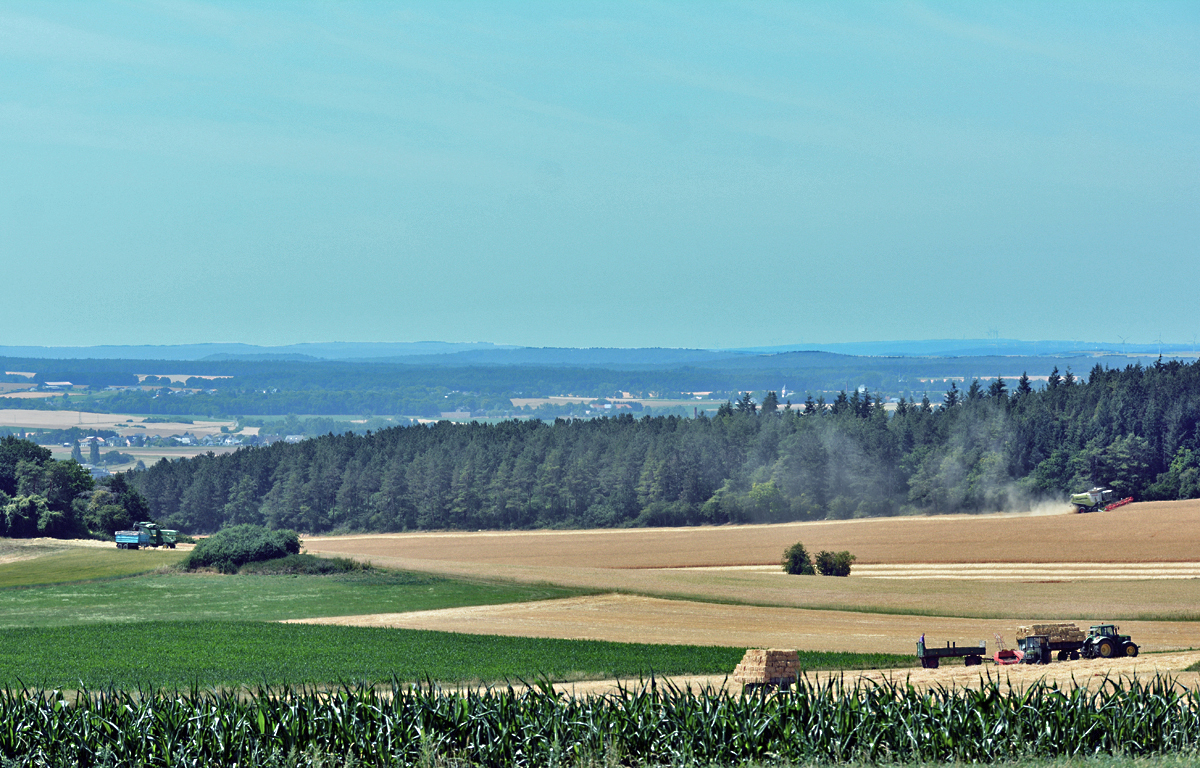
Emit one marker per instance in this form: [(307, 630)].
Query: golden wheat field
[(1149, 532), (954, 578)]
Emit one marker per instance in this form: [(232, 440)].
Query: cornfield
[(404, 725)]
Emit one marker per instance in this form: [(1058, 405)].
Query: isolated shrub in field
[(230, 548), (834, 563), (304, 564), (797, 561)]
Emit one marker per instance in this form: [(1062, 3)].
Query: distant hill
[(982, 348), (469, 354), (336, 350)]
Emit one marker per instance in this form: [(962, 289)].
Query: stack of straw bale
[(768, 666), (1058, 633)]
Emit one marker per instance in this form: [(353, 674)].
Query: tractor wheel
[(1062, 655), (1131, 650), (1074, 655), (1105, 648)]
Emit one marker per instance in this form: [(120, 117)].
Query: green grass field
[(212, 597), (74, 564), (180, 654)]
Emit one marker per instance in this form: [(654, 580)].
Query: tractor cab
[(1103, 641)]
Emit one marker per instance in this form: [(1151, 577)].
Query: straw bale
[(768, 666), (1056, 632)]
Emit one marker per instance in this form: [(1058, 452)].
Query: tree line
[(987, 447), (41, 496)]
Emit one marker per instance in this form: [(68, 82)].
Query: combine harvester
[(1097, 499)]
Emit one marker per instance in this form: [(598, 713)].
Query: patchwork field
[(959, 578), (705, 587)]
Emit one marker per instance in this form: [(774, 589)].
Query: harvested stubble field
[(1067, 675), (633, 618), (720, 585), (1148, 532)]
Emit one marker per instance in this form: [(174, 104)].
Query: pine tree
[(770, 403), (841, 403), (1023, 386), (997, 389), (974, 392), (864, 407), (952, 395)]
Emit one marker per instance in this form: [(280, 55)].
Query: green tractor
[(1103, 642)]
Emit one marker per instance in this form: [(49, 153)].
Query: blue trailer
[(146, 535)]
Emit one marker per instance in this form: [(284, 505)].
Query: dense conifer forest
[(983, 448)]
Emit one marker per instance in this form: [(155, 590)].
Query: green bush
[(230, 548), (834, 563), (797, 561), (304, 564)]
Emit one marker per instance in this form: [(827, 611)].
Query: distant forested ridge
[(985, 448), (417, 387)]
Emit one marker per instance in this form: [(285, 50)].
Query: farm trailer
[(146, 535), (972, 655)]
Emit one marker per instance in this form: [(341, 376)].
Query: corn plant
[(399, 724)]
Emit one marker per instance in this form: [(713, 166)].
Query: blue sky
[(598, 174)]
